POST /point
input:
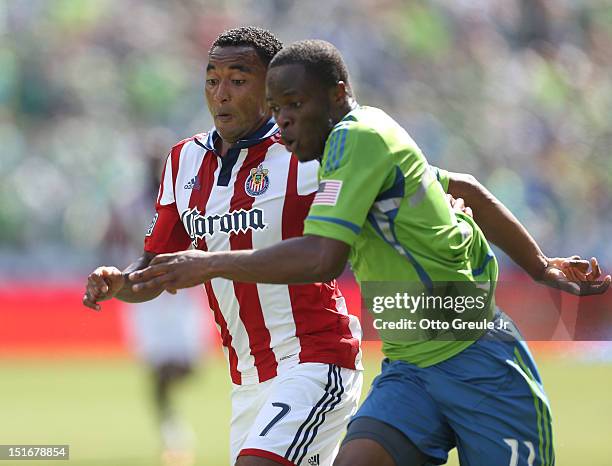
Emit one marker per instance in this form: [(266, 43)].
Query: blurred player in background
[(381, 202), (293, 351), (167, 334)]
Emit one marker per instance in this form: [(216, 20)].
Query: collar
[(354, 106), (268, 129)]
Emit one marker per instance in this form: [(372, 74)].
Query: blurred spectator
[(168, 333), (517, 92)]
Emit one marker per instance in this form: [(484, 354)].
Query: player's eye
[(295, 104), (238, 82), (274, 108), (212, 82)]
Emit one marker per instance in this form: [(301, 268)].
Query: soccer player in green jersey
[(382, 206)]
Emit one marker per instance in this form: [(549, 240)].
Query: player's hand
[(576, 276), (173, 271), (458, 205), (102, 284)]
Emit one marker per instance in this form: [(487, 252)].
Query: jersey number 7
[(285, 408)]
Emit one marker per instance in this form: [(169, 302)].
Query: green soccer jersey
[(378, 194)]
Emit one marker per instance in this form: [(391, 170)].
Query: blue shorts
[(488, 401)]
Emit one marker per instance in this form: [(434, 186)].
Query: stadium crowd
[(516, 92)]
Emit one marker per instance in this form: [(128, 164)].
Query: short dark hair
[(263, 41), (320, 58)]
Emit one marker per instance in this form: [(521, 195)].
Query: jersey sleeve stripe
[(175, 154), (336, 150), (166, 190), (351, 226), (340, 155), (332, 145), (160, 193), (333, 154)]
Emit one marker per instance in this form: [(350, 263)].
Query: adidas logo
[(314, 460), (194, 183)]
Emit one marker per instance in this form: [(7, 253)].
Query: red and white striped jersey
[(255, 196)]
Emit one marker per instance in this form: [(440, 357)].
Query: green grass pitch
[(101, 408)]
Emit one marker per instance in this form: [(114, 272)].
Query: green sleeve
[(442, 176), (355, 165)]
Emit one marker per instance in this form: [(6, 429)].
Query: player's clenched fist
[(102, 284)]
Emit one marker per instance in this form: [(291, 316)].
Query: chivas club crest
[(258, 182)]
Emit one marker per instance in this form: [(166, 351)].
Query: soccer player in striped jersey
[(293, 350), (380, 202)]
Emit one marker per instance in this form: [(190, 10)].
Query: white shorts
[(296, 418)]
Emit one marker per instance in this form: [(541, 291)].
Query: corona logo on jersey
[(199, 226), (258, 182)]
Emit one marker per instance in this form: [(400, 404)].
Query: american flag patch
[(328, 192)]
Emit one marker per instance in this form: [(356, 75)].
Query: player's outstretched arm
[(503, 229), (109, 282), (306, 259), (498, 224)]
